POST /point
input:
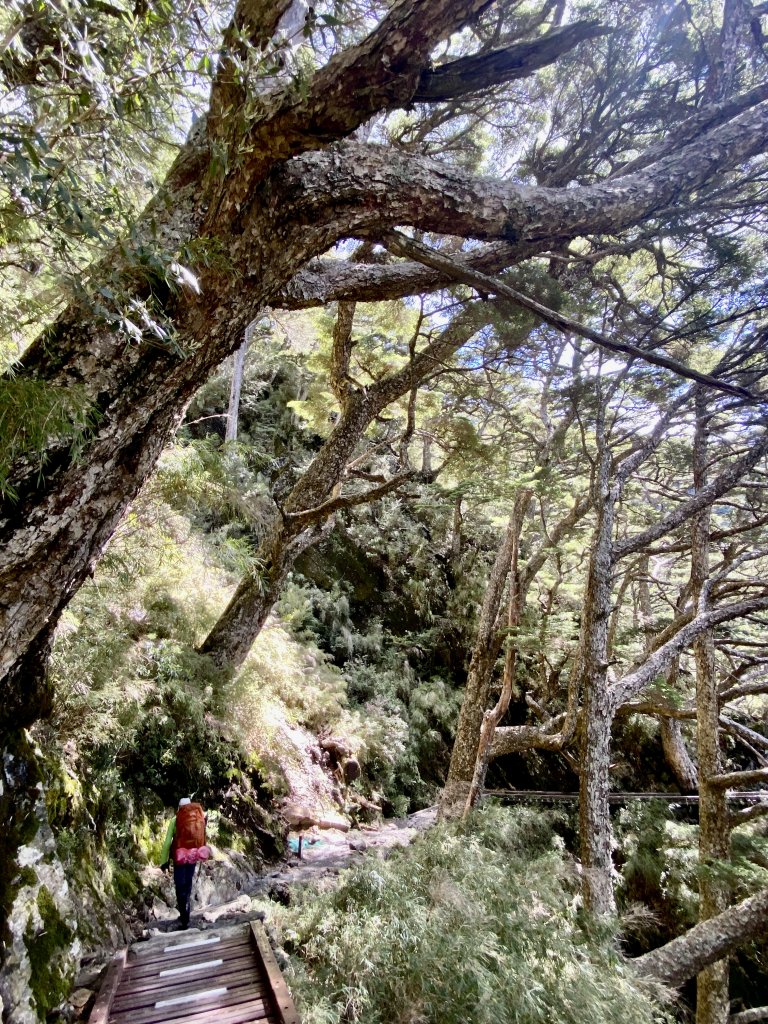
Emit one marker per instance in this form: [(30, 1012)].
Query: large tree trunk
[(597, 713), (712, 999)]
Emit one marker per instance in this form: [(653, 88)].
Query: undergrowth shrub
[(178, 749), (474, 924)]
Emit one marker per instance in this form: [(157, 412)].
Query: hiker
[(185, 845)]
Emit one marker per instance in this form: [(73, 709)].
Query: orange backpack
[(190, 827)]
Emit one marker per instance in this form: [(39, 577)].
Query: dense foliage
[(469, 924)]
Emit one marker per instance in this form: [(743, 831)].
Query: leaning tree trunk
[(672, 740), (492, 717), (231, 637), (712, 999), (707, 943), (310, 503), (484, 654), (676, 753)]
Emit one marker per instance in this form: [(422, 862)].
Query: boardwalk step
[(229, 976)]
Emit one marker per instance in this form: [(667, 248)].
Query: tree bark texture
[(707, 942), (712, 999), (671, 730), (749, 1016), (493, 716), (233, 411), (597, 715), (676, 753), (484, 654)]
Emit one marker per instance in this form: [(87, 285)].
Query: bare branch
[(703, 120), (403, 246), (401, 188), (314, 515), (743, 690), (485, 70), (331, 280), (748, 735), (746, 814), (749, 1016), (738, 779), (380, 73), (656, 663), (704, 497)]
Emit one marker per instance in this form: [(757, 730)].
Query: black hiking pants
[(183, 875)]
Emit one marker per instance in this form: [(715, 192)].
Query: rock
[(161, 911), (352, 770), (240, 905), (280, 893), (80, 1000), (329, 821), (90, 976), (65, 1014), (225, 878), (298, 816), (283, 961), (41, 946), (336, 747)]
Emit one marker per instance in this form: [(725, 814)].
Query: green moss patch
[(50, 979)]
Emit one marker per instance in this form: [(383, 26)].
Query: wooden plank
[(232, 978), (239, 1013), (187, 986), (286, 1011), (141, 952), (220, 995), (100, 1012), (182, 964), (200, 1010), (243, 1013), (142, 968), (191, 973)]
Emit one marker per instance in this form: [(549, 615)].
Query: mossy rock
[(52, 973), (18, 799)]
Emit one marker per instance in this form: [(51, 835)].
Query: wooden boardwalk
[(227, 976)]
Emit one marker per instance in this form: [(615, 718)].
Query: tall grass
[(474, 925)]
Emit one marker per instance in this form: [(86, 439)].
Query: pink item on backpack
[(192, 856)]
